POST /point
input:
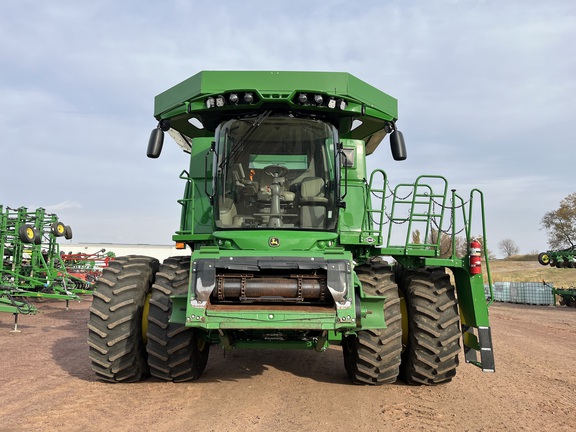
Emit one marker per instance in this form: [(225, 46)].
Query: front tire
[(373, 356), (175, 352), (431, 355), (115, 335)]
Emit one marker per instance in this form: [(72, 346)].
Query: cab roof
[(374, 109)]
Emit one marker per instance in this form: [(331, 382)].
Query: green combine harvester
[(293, 245)]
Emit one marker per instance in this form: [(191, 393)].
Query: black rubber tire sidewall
[(431, 355), (175, 352), (372, 357), (115, 339)]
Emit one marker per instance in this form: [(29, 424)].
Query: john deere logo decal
[(274, 242)]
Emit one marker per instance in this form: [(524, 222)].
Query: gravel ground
[(47, 384)]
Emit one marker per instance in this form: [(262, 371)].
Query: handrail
[(485, 242)]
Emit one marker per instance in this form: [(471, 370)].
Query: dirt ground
[(47, 384)]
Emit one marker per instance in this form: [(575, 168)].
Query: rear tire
[(175, 352), (115, 336), (431, 355), (373, 356)]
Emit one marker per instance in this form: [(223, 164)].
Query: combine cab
[(293, 244)]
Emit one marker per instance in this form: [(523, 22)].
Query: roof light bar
[(232, 99)]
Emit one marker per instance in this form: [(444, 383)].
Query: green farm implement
[(293, 244), (568, 296), (563, 258), (30, 261), (9, 304), (86, 268)]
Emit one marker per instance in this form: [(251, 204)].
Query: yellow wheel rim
[(30, 233), (145, 311), (60, 229), (201, 343), (404, 311)]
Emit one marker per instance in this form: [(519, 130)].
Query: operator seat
[(228, 214), (312, 203), (245, 186)]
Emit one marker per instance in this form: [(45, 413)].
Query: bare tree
[(508, 247), (446, 244)]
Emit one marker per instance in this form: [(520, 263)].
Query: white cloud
[(63, 206)]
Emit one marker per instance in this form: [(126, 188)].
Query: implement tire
[(58, 229), (175, 352), (115, 333), (373, 357), (27, 234), (431, 355), (67, 232), (544, 258)]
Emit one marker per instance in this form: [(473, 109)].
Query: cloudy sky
[(486, 90)]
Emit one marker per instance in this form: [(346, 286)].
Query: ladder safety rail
[(478, 192), (188, 204), (372, 226), (422, 203)]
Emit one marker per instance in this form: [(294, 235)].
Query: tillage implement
[(561, 258), (31, 265), (293, 244)]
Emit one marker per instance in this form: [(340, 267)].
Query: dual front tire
[(421, 342), (432, 346), (129, 333)]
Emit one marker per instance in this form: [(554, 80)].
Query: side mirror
[(155, 143), (397, 145)]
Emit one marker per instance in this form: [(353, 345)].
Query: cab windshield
[(276, 171)]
